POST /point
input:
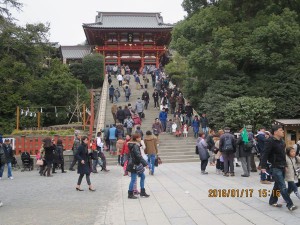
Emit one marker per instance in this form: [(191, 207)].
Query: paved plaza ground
[(179, 195)]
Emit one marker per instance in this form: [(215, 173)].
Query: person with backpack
[(244, 152), (227, 146), (117, 94)]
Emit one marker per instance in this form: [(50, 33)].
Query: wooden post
[(18, 118), (83, 113), (39, 120)]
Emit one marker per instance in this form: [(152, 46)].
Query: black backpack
[(2, 156), (248, 147), (228, 146)]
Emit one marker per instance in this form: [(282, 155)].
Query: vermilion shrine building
[(131, 38)]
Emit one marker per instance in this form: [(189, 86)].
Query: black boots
[(130, 195), (143, 193)]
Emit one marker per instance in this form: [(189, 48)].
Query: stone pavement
[(179, 195)]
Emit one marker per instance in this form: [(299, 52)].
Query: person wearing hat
[(8, 152)]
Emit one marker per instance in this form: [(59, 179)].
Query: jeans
[(188, 120), (228, 161), (205, 130), (204, 165), (133, 180), (292, 187), (102, 157), (246, 165), (151, 161), (9, 173), (156, 104), (95, 163), (113, 145), (129, 130), (126, 98), (117, 99), (164, 125), (278, 176), (111, 98)]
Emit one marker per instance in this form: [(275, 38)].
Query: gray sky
[(67, 16)]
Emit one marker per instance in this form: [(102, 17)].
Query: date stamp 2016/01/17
[(241, 192)]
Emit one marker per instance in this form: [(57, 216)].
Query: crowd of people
[(277, 162), (137, 150)]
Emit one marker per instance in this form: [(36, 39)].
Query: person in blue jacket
[(163, 116), (196, 125)]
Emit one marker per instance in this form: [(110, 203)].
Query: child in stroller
[(27, 161)]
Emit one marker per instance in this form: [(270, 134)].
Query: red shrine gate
[(133, 39)]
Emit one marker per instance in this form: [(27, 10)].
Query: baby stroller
[(14, 164), (27, 162)]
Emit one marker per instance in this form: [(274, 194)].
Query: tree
[(93, 66), (241, 48), (25, 78), (177, 69), (4, 8), (192, 6), (249, 111)]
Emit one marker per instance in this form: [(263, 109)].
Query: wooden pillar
[(39, 120), (119, 58), (157, 60), (83, 113), (143, 60)]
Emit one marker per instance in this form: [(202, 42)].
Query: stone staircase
[(171, 149)]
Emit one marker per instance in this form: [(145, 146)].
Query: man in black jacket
[(155, 96), (9, 156), (274, 152)]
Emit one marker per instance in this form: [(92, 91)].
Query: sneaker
[(276, 205), (243, 175), (292, 208), (265, 182), (226, 174), (11, 178), (204, 172), (1, 204), (0, 178), (232, 174)]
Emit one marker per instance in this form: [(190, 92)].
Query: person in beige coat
[(218, 154), (291, 174), (114, 109), (151, 149)]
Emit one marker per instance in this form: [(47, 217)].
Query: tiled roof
[(75, 52), (288, 121), (128, 20)]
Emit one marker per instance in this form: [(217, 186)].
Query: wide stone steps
[(171, 149)]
